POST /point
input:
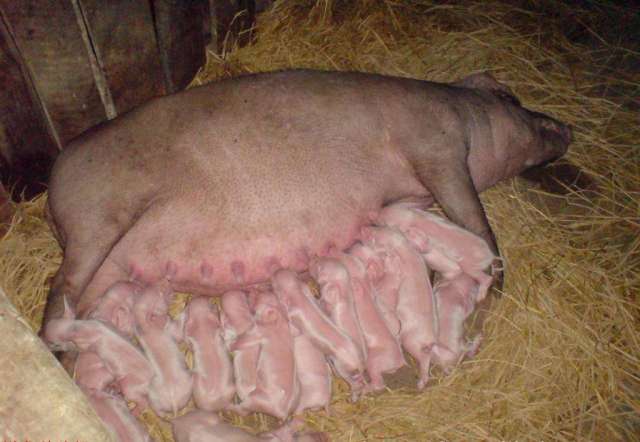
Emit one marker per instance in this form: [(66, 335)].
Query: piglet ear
[(485, 81)]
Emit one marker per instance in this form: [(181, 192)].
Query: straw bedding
[(560, 356)]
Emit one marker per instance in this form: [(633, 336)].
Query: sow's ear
[(485, 81)]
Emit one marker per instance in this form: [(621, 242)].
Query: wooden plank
[(27, 145), (49, 39), (124, 40), (40, 402), (181, 27)]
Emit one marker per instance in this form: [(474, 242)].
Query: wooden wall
[(68, 65)]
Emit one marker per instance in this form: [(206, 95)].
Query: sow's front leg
[(448, 178)]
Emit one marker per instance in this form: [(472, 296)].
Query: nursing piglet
[(131, 370), (277, 388), (455, 299), (415, 297), (383, 349), (386, 282), (314, 374), (446, 247), (213, 386), (93, 377), (308, 317), (237, 319), (336, 299), (171, 386)]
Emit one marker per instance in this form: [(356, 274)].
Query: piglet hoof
[(422, 382), (473, 346)]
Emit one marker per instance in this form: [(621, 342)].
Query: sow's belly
[(207, 249)]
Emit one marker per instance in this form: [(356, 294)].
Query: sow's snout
[(555, 137)]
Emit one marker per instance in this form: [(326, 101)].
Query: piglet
[(131, 370), (383, 349), (455, 299), (415, 307), (313, 374), (277, 387), (236, 319), (172, 383), (446, 247), (213, 385), (116, 307), (336, 299), (201, 426), (386, 282), (308, 317), (94, 377)]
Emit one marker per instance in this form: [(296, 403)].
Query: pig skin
[(131, 370), (336, 299), (384, 354), (455, 301), (116, 307), (307, 316), (213, 384), (237, 319), (277, 388), (201, 426), (216, 187), (446, 247), (171, 386), (314, 374), (415, 297)]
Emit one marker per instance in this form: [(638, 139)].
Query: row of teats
[(274, 350)]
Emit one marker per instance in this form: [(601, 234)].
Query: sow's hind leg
[(87, 239)]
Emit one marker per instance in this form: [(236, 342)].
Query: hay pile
[(561, 356)]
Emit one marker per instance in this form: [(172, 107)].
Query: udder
[(206, 256)]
